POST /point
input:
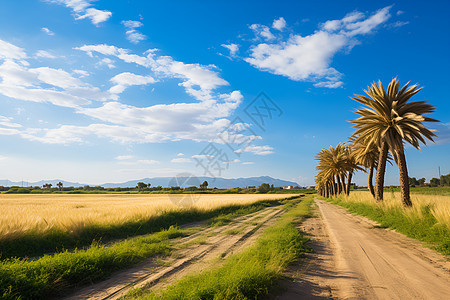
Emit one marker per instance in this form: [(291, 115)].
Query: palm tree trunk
[(343, 184), (370, 178), (334, 186), (338, 185), (349, 183), (404, 180), (379, 181)]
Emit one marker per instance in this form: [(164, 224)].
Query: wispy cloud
[(258, 150), (234, 48), (126, 79), (44, 54), (181, 160), (398, 24), (133, 35), (47, 31), (6, 122), (124, 157), (262, 31), (83, 9)]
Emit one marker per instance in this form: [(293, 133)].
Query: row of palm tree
[(387, 121)]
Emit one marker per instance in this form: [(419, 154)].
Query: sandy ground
[(354, 259), (208, 247)]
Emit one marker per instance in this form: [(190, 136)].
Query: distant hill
[(6, 182), (221, 183)]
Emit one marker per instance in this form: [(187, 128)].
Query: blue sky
[(109, 91)]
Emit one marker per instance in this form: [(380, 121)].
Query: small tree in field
[(204, 185), (264, 188), (60, 185), (140, 186)]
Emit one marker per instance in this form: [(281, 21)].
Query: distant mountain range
[(221, 183)]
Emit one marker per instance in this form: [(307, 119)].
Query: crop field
[(38, 214), (437, 205)]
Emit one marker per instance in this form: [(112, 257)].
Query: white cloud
[(67, 134), (139, 162), (234, 48), (47, 31), (101, 48), (300, 58), (147, 162), (400, 12), (81, 73), (258, 150), (20, 82), (232, 161), (106, 62), (198, 80), (5, 121), (279, 24), (262, 31), (96, 16), (83, 9), (196, 121), (180, 154), (12, 52), (57, 77), (202, 156), (13, 74), (181, 160), (126, 79), (185, 120), (248, 163), (309, 58), (132, 34), (124, 157), (398, 24), (44, 54), (42, 95)]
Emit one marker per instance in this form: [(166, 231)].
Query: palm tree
[(389, 120), (333, 168), (351, 165)]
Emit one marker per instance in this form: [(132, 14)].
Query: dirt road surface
[(208, 247), (354, 259)]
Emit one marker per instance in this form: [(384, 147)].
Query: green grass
[(443, 190), (251, 274), (57, 274), (425, 229), (33, 244)]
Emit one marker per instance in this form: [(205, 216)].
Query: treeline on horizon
[(146, 188)]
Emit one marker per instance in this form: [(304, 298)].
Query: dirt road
[(209, 246), (355, 259)]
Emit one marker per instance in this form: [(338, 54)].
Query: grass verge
[(33, 244), (417, 222), (247, 275), (57, 274)]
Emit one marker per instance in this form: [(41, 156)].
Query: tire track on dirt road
[(189, 257), (355, 259)]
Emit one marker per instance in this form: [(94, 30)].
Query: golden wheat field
[(439, 205), (71, 213)]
